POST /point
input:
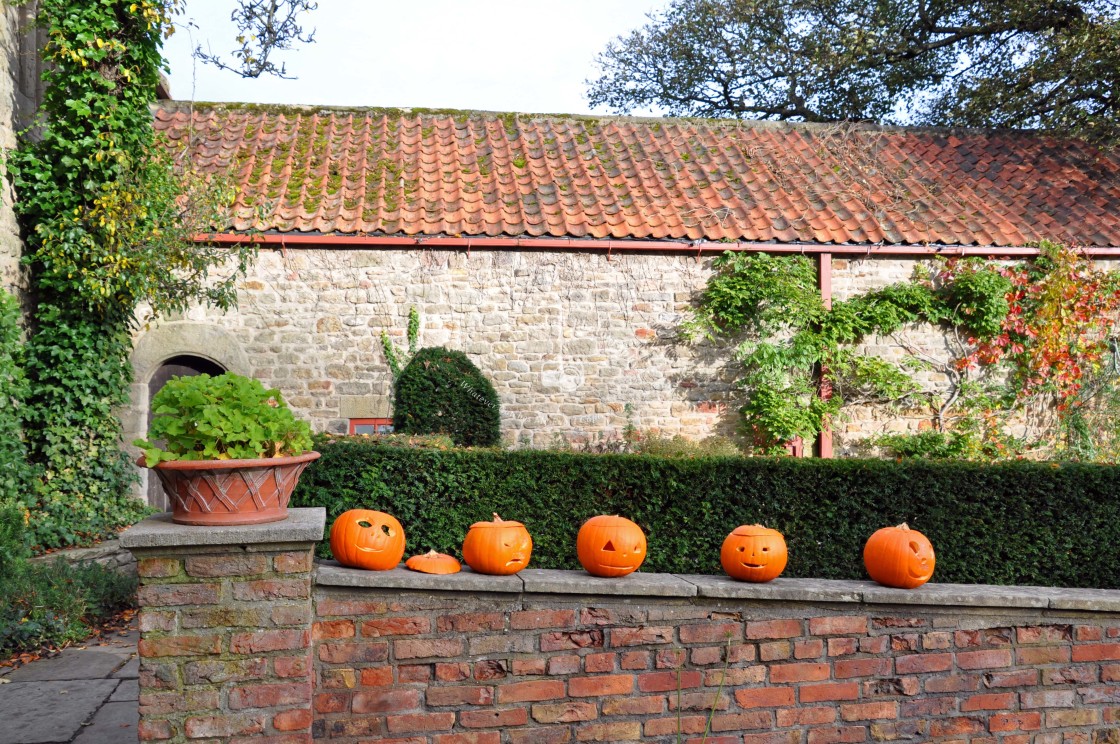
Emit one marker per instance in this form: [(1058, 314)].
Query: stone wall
[(559, 656)]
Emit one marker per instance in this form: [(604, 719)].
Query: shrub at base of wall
[(1012, 523)]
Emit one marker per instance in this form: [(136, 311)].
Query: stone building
[(561, 253)]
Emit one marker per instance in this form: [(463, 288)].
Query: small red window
[(371, 426)]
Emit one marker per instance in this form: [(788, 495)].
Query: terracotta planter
[(230, 492)]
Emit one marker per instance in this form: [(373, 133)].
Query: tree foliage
[(263, 27), (1050, 64), (441, 391)]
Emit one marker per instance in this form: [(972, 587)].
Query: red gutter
[(697, 247)]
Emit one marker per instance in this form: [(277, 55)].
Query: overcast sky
[(497, 55)]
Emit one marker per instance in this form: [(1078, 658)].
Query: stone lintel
[(158, 531)]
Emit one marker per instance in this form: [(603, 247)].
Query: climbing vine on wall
[(1032, 369), (109, 218)]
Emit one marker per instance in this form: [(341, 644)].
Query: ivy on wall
[(1032, 368), (108, 219)]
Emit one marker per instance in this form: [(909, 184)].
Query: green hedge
[(1015, 523)]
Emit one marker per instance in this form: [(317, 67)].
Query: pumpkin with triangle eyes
[(363, 538), (499, 548), (899, 557), (610, 546), (754, 553)]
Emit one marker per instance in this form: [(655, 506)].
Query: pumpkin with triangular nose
[(610, 546)]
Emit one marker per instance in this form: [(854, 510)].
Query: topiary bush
[(443, 392)]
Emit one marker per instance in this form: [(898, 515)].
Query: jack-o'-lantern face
[(368, 539), (610, 546), (899, 557), (754, 553), (500, 547)]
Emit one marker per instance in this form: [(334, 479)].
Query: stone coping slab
[(158, 531), (638, 584)]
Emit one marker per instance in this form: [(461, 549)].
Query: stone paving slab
[(549, 581), (158, 531), (789, 590), (130, 670), (115, 723), (960, 595), (128, 689), (331, 573), (50, 711), (73, 663)]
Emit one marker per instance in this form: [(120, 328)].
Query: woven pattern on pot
[(227, 490)]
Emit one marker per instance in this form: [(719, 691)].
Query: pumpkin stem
[(496, 517), (431, 553), (905, 527)]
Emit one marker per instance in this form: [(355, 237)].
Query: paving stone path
[(85, 695)]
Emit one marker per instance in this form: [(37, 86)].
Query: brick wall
[(241, 643)]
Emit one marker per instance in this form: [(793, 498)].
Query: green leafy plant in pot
[(227, 450)]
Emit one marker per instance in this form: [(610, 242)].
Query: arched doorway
[(184, 365)]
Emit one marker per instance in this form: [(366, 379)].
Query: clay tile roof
[(400, 172)]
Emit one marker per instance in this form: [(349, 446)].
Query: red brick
[(774, 629), (567, 712), (842, 646), (1044, 634), (1087, 633), (290, 563), (937, 640), (153, 620), (640, 636), (609, 732), (825, 692), (704, 701), (784, 737), (1047, 699), (474, 737), (377, 676), (414, 673), (983, 637), (332, 702), (775, 651), (298, 613), (292, 720), (177, 595), (755, 719), (521, 692), (529, 667), (158, 568), (838, 625), (292, 666), (1097, 695), (874, 644), (189, 701), (705, 655), (537, 619), (181, 645), (471, 621), (460, 695), (396, 626), (410, 722), (269, 640), (328, 607), (1016, 678), (657, 727), (1070, 718), (333, 629), (453, 671), (837, 735), (208, 566), (428, 648), (571, 639), (991, 701), (764, 697), (502, 718), (928, 707), (665, 658), (216, 672), (1037, 655), (152, 730), (803, 716), (490, 669), (992, 659), (735, 677), (955, 726), (1110, 672), (869, 711), (665, 681), (1001, 722), (350, 653), (809, 649), (598, 686), (1097, 652), (541, 735), (891, 687), (634, 706), (845, 668), (905, 642), (269, 695), (558, 665), (386, 701), (711, 632), (267, 589), (807, 672), (1070, 675), (201, 727), (598, 663), (923, 663)]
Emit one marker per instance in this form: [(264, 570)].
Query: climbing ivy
[(1032, 372), (109, 217)]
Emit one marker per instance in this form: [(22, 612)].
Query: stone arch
[(160, 345)]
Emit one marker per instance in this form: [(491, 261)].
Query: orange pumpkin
[(363, 538), (433, 563), (754, 553), (499, 547), (610, 546), (899, 557)]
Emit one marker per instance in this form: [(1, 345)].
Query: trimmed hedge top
[(1013, 523), (443, 392)]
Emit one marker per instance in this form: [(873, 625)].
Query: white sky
[(497, 55)]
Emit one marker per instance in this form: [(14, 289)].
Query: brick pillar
[(225, 629)]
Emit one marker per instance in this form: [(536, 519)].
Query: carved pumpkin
[(610, 546), (753, 553), (899, 557), (363, 538), (433, 563), (499, 547)]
